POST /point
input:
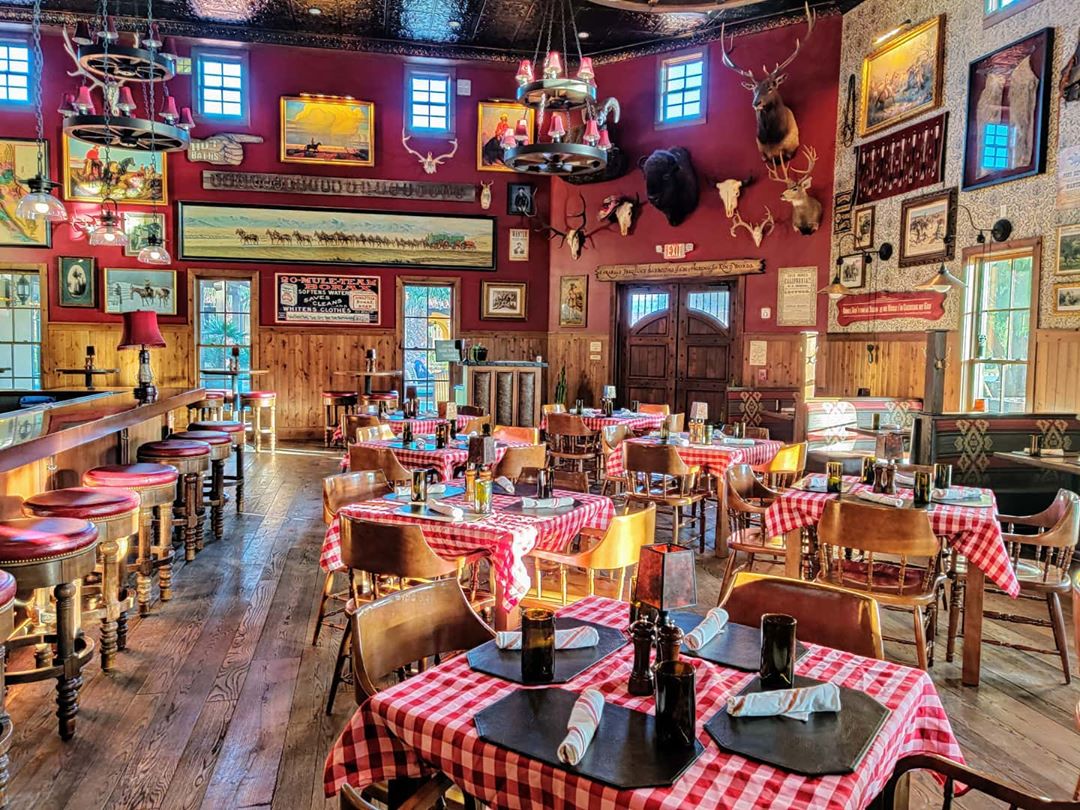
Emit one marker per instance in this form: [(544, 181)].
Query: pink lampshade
[(524, 71), (553, 65), (126, 103), (186, 121), (169, 47), (109, 31), (605, 141), (592, 132), (84, 101), (169, 113), (521, 130), (153, 36), (557, 129), (585, 70), (141, 330), (508, 140)]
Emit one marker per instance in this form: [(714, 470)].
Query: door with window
[(427, 315), (223, 318), (20, 329)]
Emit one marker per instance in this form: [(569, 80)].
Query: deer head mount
[(431, 164), (757, 232), (777, 130), (729, 193), (805, 210), (574, 238), (620, 209)]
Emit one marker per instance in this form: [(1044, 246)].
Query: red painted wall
[(723, 147), (278, 71)]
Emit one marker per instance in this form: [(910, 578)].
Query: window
[(429, 101), (996, 10), (14, 71), (714, 303), (997, 328), (428, 315), (681, 99), (644, 304), (20, 329), (221, 84), (224, 321), (995, 151)]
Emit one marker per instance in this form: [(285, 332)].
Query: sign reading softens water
[(881, 306), (307, 298)]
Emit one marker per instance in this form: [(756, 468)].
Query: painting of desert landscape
[(18, 160), (335, 236), (327, 130), (902, 78)]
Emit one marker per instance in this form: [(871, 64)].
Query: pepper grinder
[(669, 638), (642, 680)]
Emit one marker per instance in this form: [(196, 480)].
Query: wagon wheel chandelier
[(555, 96)]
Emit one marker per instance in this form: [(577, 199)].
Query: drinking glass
[(834, 476), (537, 645), (676, 704), (777, 651), (419, 486), (635, 405), (942, 476), (868, 463)]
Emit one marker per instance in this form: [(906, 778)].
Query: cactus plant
[(560, 387)]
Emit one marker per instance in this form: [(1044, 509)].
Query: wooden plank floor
[(218, 702)]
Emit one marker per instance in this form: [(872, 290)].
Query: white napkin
[(714, 623), (584, 718), (958, 494), (798, 704), (436, 489), (679, 441), (576, 638), (505, 484), (546, 503), (880, 497), (733, 442), (1053, 451), (904, 480), (447, 509)]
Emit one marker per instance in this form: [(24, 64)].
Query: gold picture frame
[(1067, 298), (902, 58), (18, 160), (327, 130), (504, 300), (128, 288), (489, 131), (129, 186), (574, 301)]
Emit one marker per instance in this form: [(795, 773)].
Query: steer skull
[(620, 209), (729, 193)]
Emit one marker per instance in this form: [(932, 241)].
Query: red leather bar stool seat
[(47, 553), (233, 428), (336, 406), (341, 394), (174, 448), (238, 434), (221, 445), (192, 459), (256, 402), (219, 393), (219, 441), (87, 503), (133, 476), (261, 396)]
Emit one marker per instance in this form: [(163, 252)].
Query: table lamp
[(666, 580), (141, 332)]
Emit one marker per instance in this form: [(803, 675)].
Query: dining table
[(423, 424), (595, 419), (973, 531), (426, 723), (422, 453)]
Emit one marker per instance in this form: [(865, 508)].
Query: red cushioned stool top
[(82, 502), (7, 590), (381, 397), (144, 474), (213, 395), (340, 394), (258, 395), (222, 426), (176, 448), (29, 539), (208, 436), (217, 393)]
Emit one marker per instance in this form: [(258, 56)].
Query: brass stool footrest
[(84, 650)]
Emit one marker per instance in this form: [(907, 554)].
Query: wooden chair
[(786, 467), (553, 407), (518, 459), (649, 407), (1043, 574), (427, 795), (471, 410), (829, 616), (517, 434), (1076, 618), (354, 421), (611, 437), (566, 480), (676, 422), (890, 554), (362, 457), (617, 549), (747, 501), (657, 474), (571, 443), (758, 433), (476, 425)]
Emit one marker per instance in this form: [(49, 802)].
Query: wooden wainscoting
[(510, 345), (790, 359), (65, 347), (585, 376), (898, 370), (1055, 364)]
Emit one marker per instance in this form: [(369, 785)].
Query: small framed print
[(521, 199), (503, 299), (927, 225), (1068, 249), (853, 270), (573, 300), (77, 283), (139, 227), (1067, 298), (128, 289), (519, 244), (863, 226)]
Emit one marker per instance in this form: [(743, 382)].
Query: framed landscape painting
[(1068, 249), (329, 130), (902, 78), (139, 226), (130, 289), (18, 160), (493, 118), (251, 233), (75, 282), (503, 299), (927, 224), (131, 176), (1067, 298)]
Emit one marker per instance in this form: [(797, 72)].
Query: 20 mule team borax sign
[(311, 298)]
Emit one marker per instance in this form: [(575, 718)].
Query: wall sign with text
[(881, 306), (309, 298)]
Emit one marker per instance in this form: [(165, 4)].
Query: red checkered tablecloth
[(443, 461), (427, 722), (973, 532), (638, 422), (713, 458), (506, 536), (422, 426)]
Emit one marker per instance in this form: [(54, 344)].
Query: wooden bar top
[(36, 432)]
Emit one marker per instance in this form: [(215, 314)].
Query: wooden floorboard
[(219, 701)]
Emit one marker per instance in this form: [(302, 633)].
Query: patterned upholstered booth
[(826, 424), (771, 408)]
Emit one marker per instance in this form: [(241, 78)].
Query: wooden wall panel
[(785, 361), (65, 346), (898, 370), (585, 376), (1056, 367)]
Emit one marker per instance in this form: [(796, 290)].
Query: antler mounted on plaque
[(430, 163), (757, 232)]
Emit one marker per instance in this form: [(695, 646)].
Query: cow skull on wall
[(729, 193), (573, 238), (620, 209), (430, 163)]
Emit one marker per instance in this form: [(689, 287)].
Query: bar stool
[(388, 398), (238, 435), (156, 485), (336, 405), (210, 406), (214, 493), (191, 459), (256, 401), (56, 553), (115, 514), (7, 626), (228, 399)]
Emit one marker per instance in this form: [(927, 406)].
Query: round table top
[(370, 373), (225, 372)]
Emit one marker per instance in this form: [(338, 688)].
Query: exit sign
[(675, 250)]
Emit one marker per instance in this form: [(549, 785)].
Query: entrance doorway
[(427, 315)]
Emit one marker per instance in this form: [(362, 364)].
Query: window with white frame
[(999, 9), (681, 97), (20, 329), (221, 84), (429, 101), (14, 71)]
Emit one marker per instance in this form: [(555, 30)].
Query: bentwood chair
[(747, 501), (571, 443), (889, 554), (786, 467), (518, 459), (826, 615), (653, 408), (657, 474), (362, 457), (611, 436), (517, 434), (615, 549), (1043, 572)]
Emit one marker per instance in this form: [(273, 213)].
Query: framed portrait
[(853, 270), (1067, 298), (842, 202), (76, 282), (902, 78), (1068, 249), (328, 130), (519, 244), (132, 177), (493, 118), (503, 299), (863, 226), (573, 300), (138, 288), (1008, 112), (521, 199), (139, 227), (18, 160), (927, 225)]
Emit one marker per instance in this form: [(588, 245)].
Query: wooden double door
[(675, 343)]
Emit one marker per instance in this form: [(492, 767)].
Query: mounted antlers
[(757, 232), (573, 237), (777, 130), (110, 91), (805, 210), (430, 164)]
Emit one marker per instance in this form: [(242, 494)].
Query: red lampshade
[(84, 101), (169, 113), (605, 140), (557, 129), (666, 579), (592, 133), (553, 65), (127, 101), (141, 331), (186, 121), (585, 69), (524, 71)]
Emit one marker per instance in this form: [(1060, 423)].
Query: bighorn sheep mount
[(620, 209), (805, 210), (430, 163), (574, 238)]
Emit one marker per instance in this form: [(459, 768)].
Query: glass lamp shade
[(154, 252), (835, 290), (666, 577), (609, 392), (141, 331), (109, 233), (39, 203), (481, 450), (942, 282)]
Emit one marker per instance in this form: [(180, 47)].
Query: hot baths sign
[(882, 306)]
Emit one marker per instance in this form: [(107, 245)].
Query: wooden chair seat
[(747, 499), (886, 580), (657, 474), (750, 540)]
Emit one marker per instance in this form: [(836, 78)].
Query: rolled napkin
[(798, 704), (584, 719), (505, 484), (436, 489), (733, 442), (451, 511), (958, 494), (1053, 451), (679, 441), (880, 497), (905, 480), (714, 623), (576, 638), (546, 503)]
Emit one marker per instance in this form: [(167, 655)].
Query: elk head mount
[(622, 210), (757, 232), (671, 183), (777, 130), (430, 163), (805, 210), (574, 238), (729, 193)]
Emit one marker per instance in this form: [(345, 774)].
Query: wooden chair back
[(747, 500), (571, 480), (518, 459), (471, 410), (364, 457), (552, 407), (476, 425), (656, 470), (351, 487), (369, 434), (1053, 547), (611, 436), (517, 434), (567, 435), (632, 527), (787, 465), (650, 407), (355, 421), (755, 432), (390, 549)]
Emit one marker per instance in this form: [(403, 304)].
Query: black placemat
[(449, 492), (506, 664), (519, 508), (624, 753), (738, 647), (827, 743), (984, 501)]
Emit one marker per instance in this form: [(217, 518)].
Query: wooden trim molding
[(195, 274)]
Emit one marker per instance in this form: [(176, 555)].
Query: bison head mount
[(671, 183)]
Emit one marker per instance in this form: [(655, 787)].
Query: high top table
[(88, 374), (367, 377), (234, 377)]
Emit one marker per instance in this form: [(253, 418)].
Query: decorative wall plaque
[(658, 270), (881, 306), (902, 161), (796, 296), (223, 149), (337, 186)]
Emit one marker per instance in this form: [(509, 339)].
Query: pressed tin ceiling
[(500, 29)]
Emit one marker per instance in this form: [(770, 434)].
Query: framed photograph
[(519, 244), (503, 299), (253, 233), (1008, 112), (1067, 297), (129, 289), (927, 225), (18, 160), (573, 300), (521, 199), (902, 78), (76, 282), (853, 270), (1068, 249), (139, 226), (863, 226), (493, 118), (327, 129), (132, 177)]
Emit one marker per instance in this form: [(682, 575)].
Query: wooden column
[(934, 385)]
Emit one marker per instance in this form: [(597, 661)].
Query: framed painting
[(927, 225), (139, 226), (853, 270), (503, 299), (863, 226), (573, 300), (129, 289), (519, 244), (18, 160), (1067, 298), (327, 129), (902, 78), (131, 176), (1068, 249), (1008, 112), (76, 282), (252, 233), (493, 118)]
